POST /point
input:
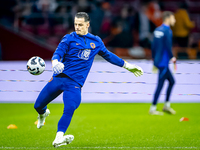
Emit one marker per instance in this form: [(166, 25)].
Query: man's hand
[(57, 66), (133, 68), (173, 59)]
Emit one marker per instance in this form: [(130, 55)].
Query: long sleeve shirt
[(77, 53), (162, 46), (183, 24)]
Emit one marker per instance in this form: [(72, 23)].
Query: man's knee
[(69, 109), (172, 82), (37, 106)]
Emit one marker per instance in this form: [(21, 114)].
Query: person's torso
[(79, 56), (161, 58), (180, 28)]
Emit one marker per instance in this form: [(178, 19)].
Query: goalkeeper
[(162, 54), (71, 64)]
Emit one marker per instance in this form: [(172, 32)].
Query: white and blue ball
[(36, 65)]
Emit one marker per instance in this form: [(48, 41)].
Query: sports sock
[(153, 108), (167, 104), (59, 134)]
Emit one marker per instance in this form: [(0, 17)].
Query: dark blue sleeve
[(157, 46), (61, 49), (153, 48), (109, 56), (168, 42)]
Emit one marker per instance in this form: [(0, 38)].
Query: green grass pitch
[(103, 126)]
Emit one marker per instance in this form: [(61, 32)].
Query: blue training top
[(161, 46), (77, 53)]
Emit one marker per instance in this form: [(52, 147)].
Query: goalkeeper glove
[(57, 66), (154, 69), (133, 68)]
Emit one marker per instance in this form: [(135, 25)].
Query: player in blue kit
[(71, 63), (162, 54)]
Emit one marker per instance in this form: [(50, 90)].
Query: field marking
[(99, 147)]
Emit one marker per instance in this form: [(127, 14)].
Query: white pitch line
[(134, 147), (101, 147)]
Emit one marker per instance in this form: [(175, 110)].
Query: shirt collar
[(81, 35), (166, 25)]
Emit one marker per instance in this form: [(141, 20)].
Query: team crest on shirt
[(158, 34), (92, 45), (84, 54)]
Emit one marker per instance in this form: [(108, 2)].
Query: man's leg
[(48, 93), (71, 99), (161, 79), (171, 84), (167, 107)]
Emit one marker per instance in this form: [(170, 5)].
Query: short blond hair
[(167, 14)]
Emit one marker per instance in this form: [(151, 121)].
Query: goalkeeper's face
[(81, 26), (172, 20)]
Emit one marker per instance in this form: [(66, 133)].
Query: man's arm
[(153, 49), (58, 66), (61, 49), (114, 59), (188, 24), (168, 43)]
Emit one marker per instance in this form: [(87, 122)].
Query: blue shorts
[(61, 83)]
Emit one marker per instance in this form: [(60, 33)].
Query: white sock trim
[(153, 108), (167, 104), (59, 134)]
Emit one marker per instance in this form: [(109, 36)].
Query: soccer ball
[(36, 65)]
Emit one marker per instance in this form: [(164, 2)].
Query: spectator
[(106, 22), (144, 27), (47, 5), (182, 27), (63, 17), (83, 6), (37, 15), (22, 10), (121, 31), (154, 13), (6, 12), (41, 18), (97, 16)]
